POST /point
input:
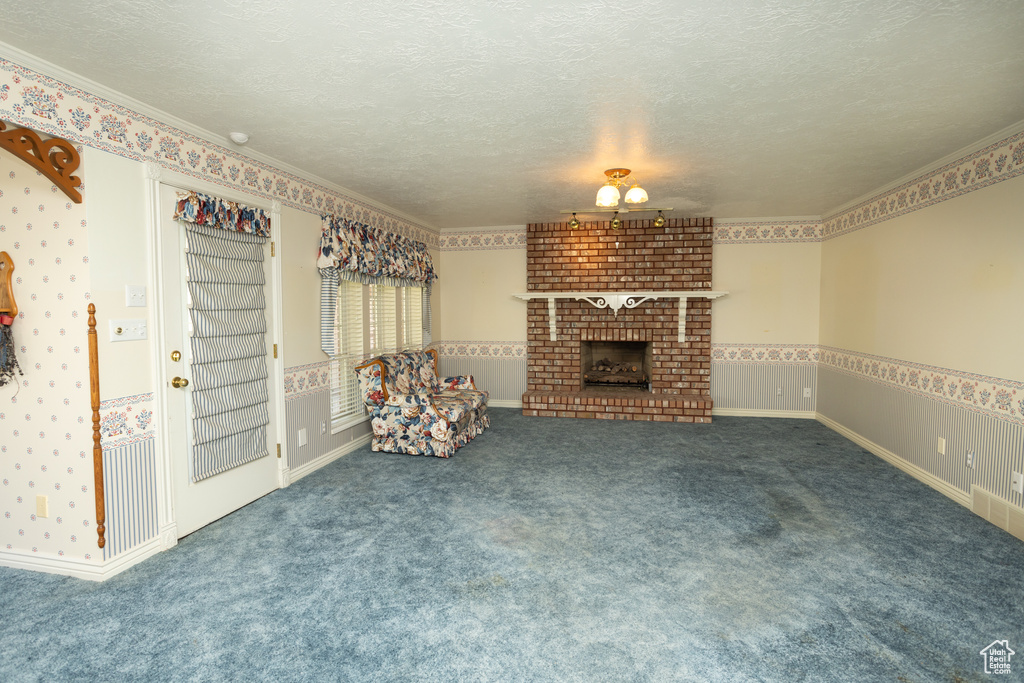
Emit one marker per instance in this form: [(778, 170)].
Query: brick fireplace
[(640, 258)]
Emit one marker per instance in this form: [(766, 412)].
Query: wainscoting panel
[(309, 411), (757, 386), (504, 378), (129, 482), (910, 425)]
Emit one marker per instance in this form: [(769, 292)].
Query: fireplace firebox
[(615, 364)]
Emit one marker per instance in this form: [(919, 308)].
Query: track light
[(574, 223)]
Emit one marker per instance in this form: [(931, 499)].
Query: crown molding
[(956, 156), (766, 219)]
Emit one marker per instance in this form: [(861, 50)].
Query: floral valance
[(220, 213), (359, 252)]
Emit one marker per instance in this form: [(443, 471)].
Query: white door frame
[(155, 177)]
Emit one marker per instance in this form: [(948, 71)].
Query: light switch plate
[(124, 329), (134, 296)]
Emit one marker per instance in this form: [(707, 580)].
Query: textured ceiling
[(467, 114)]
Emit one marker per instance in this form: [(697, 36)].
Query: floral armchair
[(415, 412)]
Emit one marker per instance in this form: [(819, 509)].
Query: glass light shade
[(636, 195), (608, 195)]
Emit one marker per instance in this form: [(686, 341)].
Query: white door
[(197, 503)]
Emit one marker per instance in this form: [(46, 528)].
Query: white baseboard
[(750, 412), (81, 569), (895, 460), (491, 403), (310, 467)]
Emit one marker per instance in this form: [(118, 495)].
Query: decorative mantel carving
[(616, 300), (55, 158)]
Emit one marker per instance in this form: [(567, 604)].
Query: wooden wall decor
[(8, 306), (97, 449), (55, 158)]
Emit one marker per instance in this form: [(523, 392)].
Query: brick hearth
[(637, 257)]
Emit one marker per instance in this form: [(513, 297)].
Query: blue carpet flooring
[(555, 549)]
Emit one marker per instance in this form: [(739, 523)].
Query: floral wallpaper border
[(993, 396), (479, 239), (303, 380), (788, 354), (766, 231), (725, 232), (997, 397), (991, 164), (126, 420), (46, 104), (475, 349)]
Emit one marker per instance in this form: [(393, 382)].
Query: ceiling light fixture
[(608, 196)]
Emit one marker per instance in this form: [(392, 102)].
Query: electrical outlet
[(323, 427), (942, 445), (302, 437), (127, 330), (42, 506), (970, 459), (807, 392), (778, 391), (1017, 483), (134, 296)]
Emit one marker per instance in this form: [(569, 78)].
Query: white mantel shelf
[(616, 300)]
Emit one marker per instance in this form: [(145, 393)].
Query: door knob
[(179, 382)]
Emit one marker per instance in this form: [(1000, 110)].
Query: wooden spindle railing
[(97, 449)]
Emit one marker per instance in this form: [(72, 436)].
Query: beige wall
[(119, 256), (773, 293), (939, 286), (476, 288), (300, 238), (436, 305)]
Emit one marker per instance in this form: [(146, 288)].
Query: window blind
[(366, 321), (383, 320), (412, 317), (227, 336), (346, 403)]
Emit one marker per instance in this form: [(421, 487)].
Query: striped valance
[(201, 209), (362, 253)]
